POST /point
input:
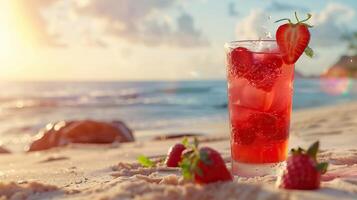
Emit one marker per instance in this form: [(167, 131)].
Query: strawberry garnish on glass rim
[(293, 39)]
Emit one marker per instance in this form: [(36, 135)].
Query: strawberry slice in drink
[(253, 75), (260, 70), (265, 71), (240, 59)]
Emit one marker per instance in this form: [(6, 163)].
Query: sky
[(105, 40)]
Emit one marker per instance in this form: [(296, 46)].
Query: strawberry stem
[(296, 17), (283, 20), (308, 17)]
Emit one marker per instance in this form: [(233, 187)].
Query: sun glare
[(7, 38), (6, 42)]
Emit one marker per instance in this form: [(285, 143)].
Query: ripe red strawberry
[(211, 167), (204, 165), (174, 155), (302, 171), (293, 39), (243, 134), (263, 125), (265, 72), (262, 73), (241, 59)]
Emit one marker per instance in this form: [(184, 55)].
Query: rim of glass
[(237, 43)]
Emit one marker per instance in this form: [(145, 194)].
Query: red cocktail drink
[(260, 89)]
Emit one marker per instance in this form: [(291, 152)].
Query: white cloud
[(144, 22), (124, 11), (253, 26), (330, 23)]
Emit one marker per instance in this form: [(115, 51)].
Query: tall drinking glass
[(260, 89)]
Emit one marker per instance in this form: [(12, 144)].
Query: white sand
[(94, 172)]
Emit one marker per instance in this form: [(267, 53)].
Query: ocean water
[(25, 107)]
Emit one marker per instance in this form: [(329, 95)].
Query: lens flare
[(336, 82), (336, 86)]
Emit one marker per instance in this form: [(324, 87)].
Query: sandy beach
[(111, 171)]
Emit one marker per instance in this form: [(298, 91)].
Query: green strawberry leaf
[(188, 164), (300, 150), (185, 142), (145, 161), (195, 142), (312, 152), (195, 158), (322, 167), (198, 171), (190, 145), (309, 52), (185, 165), (205, 158), (190, 159), (187, 175), (161, 161), (297, 151), (313, 149)]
